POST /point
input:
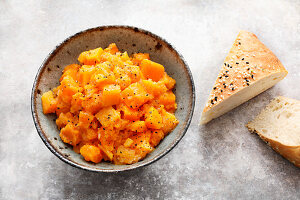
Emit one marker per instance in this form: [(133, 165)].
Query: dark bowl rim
[(131, 167)]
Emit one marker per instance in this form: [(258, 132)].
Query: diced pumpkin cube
[(121, 77), (168, 81), (125, 155), (68, 88), (133, 72), (111, 95), (130, 114), (89, 134), (153, 119), (154, 88), (168, 100), (156, 137), (90, 90), (128, 142), (141, 144), (90, 57), (108, 116), (135, 95), (76, 102), (101, 80), (138, 57), (85, 119), (62, 107), (85, 74), (112, 48), (108, 155), (124, 81), (91, 153), (49, 103), (93, 103), (70, 134), (124, 56), (169, 122), (152, 70), (70, 70), (138, 126), (64, 119)]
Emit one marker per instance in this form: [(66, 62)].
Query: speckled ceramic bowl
[(132, 40)]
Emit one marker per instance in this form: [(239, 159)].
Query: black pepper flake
[(251, 75), (237, 63), (225, 64), (243, 58), (232, 88), (226, 76), (221, 90), (248, 69), (247, 62), (248, 84), (220, 77), (216, 98), (212, 101), (226, 71), (239, 43), (215, 88)]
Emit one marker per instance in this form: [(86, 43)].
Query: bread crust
[(291, 153), (248, 61)]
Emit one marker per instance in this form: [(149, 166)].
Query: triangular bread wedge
[(279, 125), (249, 69)]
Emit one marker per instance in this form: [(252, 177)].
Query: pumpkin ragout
[(113, 107)]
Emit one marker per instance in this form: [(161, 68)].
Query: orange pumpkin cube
[(93, 103), (169, 122), (138, 57), (138, 126), (168, 81), (130, 114), (49, 103), (154, 88), (135, 95), (91, 153), (85, 74), (112, 48), (64, 119), (156, 137), (111, 95), (70, 134), (89, 134), (108, 117), (68, 88), (76, 102), (152, 70), (70, 70), (85, 119), (153, 119), (90, 57)]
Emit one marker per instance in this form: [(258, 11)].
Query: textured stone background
[(219, 161)]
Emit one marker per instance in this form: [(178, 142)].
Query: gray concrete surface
[(219, 161)]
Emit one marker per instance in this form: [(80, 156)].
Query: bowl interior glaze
[(128, 39)]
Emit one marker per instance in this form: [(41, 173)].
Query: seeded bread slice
[(279, 125), (249, 69)]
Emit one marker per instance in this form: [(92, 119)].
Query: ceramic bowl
[(128, 39)]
